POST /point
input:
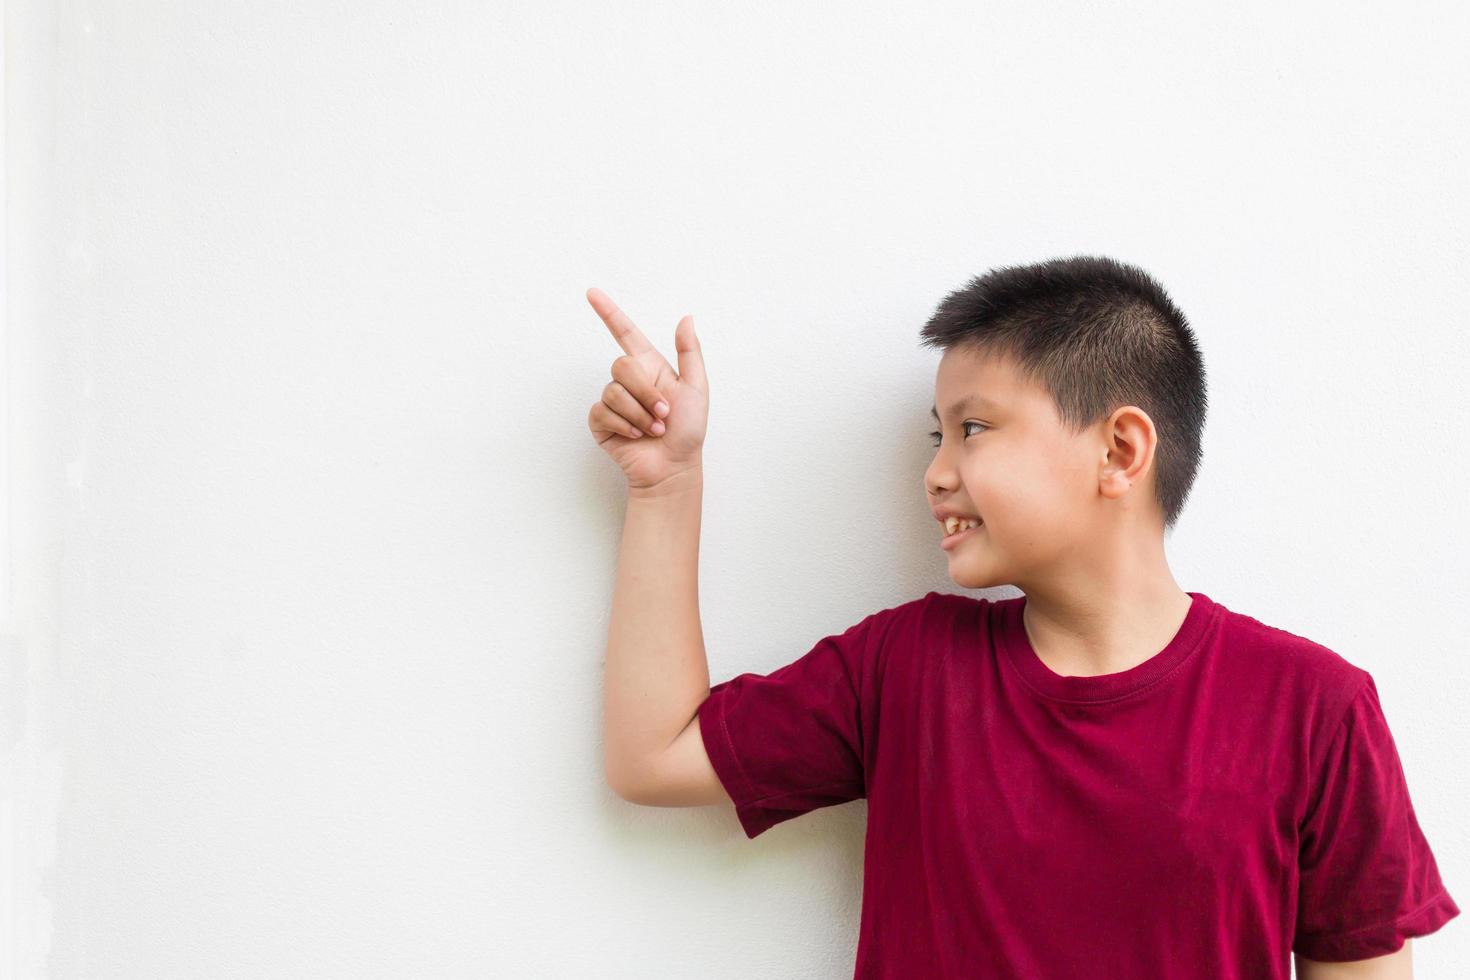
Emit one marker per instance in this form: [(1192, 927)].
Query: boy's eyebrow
[(964, 403)]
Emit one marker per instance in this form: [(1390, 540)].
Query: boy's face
[(1008, 460)]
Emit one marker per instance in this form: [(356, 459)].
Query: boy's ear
[(1130, 442)]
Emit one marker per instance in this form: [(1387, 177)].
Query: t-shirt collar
[(1016, 646)]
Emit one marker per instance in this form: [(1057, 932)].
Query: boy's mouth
[(957, 522), (958, 531)]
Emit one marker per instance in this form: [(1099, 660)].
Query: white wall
[(310, 551)]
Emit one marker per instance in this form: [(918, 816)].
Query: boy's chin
[(970, 578)]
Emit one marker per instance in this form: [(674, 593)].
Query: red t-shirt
[(1234, 798)]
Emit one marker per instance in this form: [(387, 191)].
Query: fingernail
[(662, 408), (657, 428)]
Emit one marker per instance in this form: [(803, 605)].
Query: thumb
[(691, 358)]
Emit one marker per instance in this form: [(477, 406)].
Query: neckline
[(1102, 687)]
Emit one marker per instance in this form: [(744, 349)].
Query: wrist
[(684, 480)]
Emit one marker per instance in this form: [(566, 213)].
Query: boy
[(1105, 777)]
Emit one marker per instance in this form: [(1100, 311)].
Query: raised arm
[(656, 675)]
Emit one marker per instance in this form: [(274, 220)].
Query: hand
[(624, 421)]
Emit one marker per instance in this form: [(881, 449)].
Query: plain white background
[(310, 552)]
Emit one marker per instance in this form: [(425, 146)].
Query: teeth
[(953, 524)]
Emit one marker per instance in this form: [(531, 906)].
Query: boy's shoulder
[(1288, 667), (909, 627), (949, 602), (1291, 649), (922, 611), (936, 610)]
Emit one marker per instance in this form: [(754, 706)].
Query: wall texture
[(309, 549)]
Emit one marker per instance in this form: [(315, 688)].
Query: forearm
[(655, 675)]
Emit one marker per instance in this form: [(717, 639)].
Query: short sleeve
[(1368, 880), (794, 740)]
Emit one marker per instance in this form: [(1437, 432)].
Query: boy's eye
[(937, 437)]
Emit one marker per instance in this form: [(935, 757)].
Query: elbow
[(620, 790), (620, 780)]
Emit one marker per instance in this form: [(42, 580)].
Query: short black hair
[(1097, 334)]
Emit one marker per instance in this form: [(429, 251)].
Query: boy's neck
[(1106, 629)]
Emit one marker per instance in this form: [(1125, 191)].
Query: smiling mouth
[(951, 539)]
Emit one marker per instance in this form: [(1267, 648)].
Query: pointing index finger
[(624, 331)]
